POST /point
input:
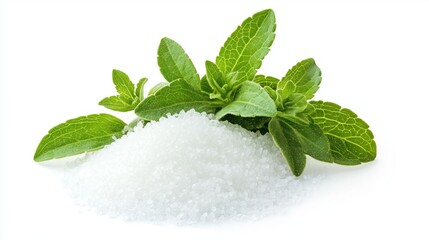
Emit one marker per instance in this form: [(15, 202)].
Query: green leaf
[(312, 139), (271, 92), (299, 118), (79, 135), (249, 123), (251, 100), (294, 104), (116, 103), (266, 81), (303, 78), (205, 86), (174, 63), (286, 140), (350, 139), (128, 97), (157, 87), (283, 94), (140, 89), (124, 86), (247, 46), (215, 78), (177, 96)]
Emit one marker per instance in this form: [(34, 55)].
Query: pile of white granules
[(186, 169)]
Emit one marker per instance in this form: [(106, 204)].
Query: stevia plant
[(232, 90)]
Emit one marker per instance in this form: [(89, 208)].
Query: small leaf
[(116, 103), (177, 96), (288, 143), (124, 86), (303, 78), (157, 87), (79, 135), (271, 92), (282, 94), (350, 139), (266, 81), (247, 46), (312, 139), (215, 78), (216, 96), (251, 100), (174, 63), (205, 86), (295, 103), (140, 89)]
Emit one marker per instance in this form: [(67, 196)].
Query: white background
[(57, 58)]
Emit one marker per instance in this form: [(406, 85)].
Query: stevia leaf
[(174, 63), (116, 103), (247, 46), (303, 78), (79, 135), (350, 139), (140, 89), (299, 118), (266, 81), (271, 92), (205, 86), (124, 86), (294, 104), (215, 78), (284, 93), (312, 139), (288, 143), (251, 100), (177, 96), (157, 87)]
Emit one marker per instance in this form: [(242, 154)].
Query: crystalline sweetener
[(186, 168)]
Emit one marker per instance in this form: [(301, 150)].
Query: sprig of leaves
[(232, 90), (128, 95)]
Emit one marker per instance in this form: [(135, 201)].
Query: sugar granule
[(184, 169)]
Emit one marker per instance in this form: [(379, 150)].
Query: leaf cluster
[(233, 91)]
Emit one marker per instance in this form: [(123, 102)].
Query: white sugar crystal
[(185, 169)]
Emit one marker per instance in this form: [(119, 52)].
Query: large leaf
[(174, 63), (303, 78), (247, 46), (251, 100), (350, 139), (173, 98), (79, 135), (124, 86), (286, 140)]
